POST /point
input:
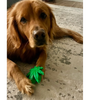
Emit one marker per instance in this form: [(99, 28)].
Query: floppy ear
[(55, 29), (52, 25), (13, 29)]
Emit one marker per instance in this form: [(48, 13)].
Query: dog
[(31, 27)]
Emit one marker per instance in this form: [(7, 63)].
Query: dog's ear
[(52, 25), (13, 29), (54, 28)]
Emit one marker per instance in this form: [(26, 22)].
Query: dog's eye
[(43, 15), (23, 20)]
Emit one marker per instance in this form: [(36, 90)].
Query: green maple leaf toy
[(35, 74)]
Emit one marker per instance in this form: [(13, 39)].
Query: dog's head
[(32, 21)]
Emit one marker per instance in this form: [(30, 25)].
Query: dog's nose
[(39, 34)]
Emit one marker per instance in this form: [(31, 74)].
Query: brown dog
[(31, 26)]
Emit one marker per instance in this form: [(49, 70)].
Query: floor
[(69, 3)]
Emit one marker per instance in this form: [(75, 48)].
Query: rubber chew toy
[(35, 74)]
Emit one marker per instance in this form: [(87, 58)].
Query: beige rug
[(64, 65)]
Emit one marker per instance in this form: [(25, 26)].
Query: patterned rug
[(64, 66)]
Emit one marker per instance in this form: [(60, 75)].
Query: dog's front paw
[(79, 39), (25, 86)]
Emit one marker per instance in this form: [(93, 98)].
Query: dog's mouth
[(40, 43)]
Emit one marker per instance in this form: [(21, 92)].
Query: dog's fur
[(20, 40)]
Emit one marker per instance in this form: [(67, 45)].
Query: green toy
[(35, 74)]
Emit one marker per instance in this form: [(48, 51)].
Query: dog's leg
[(60, 32), (41, 60), (22, 82)]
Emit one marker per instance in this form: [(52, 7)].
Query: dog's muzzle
[(40, 37)]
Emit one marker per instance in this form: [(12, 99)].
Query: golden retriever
[(31, 26)]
